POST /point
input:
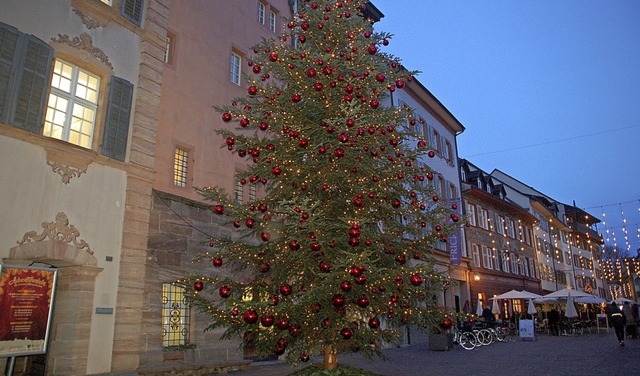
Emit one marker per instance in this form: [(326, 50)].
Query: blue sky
[(548, 90)]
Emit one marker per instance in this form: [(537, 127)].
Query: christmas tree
[(334, 256)]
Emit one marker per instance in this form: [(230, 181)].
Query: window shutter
[(9, 38), (32, 84), (132, 10), (116, 130)]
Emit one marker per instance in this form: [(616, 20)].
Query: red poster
[(26, 296)]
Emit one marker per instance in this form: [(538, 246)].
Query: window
[(175, 316), (180, 164), (500, 224), (272, 21), (235, 68), (471, 213), (252, 192), (71, 101), (483, 218), (261, 13), (438, 140), (239, 192), (108, 2), (169, 46), (511, 228), (514, 263), (505, 262), (445, 150), (448, 151), (476, 255), (487, 261), (532, 268), (132, 10), (72, 106)]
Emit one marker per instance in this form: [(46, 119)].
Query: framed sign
[(26, 303)]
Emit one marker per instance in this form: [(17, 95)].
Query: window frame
[(273, 21), (171, 309), (181, 167), (487, 260), (72, 100), (475, 252), (262, 13), (235, 68)]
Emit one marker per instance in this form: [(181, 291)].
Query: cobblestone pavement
[(583, 355)]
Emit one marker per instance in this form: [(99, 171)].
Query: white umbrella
[(479, 309), (515, 294), (531, 309), (571, 308), (621, 301), (565, 293), (496, 308), (589, 300)]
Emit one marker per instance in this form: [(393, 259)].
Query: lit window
[(235, 68), (72, 105), (487, 260), (272, 21), (476, 255), (175, 316), (261, 13), (180, 162), (239, 192), (108, 2)]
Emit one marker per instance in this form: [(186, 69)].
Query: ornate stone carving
[(60, 229), (89, 22), (67, 172), (84, 42)]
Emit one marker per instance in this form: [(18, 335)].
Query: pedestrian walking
[(618, 321), (554, 320)]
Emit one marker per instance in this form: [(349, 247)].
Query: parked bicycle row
[(470, 335)]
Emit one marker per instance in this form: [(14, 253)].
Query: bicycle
[(467, 340)]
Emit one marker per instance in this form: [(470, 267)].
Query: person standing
[(618, 321), (553, 318)]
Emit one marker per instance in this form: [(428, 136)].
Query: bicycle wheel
[(487, 337), (500, 334), (467, 341), (479, 336)]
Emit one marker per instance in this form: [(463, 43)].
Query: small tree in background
[(335, 255)]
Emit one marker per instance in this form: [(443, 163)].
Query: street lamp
[(476, 276)]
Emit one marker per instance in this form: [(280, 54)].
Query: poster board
[(602, 322), (26, 304), (526, 329)]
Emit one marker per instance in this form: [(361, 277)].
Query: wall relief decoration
[(60, 229), (89, 22), (85, 43), (67, 172)]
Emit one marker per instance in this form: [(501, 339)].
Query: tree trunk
[(330, 357)]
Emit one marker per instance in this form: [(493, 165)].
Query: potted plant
[(440, 338)]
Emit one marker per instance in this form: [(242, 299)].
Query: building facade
[(500, 240), (569, 249), (79, 97)]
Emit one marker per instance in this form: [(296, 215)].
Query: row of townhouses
[(107, 126)]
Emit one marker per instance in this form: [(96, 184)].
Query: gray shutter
[(32, 84), (116, 132), (9, 39), (132, 10)]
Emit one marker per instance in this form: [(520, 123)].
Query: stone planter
[(440, 341)]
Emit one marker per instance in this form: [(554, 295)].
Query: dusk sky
[(548, 91)]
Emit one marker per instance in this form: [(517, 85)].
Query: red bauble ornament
[(226, 117), (345, 286), (435, 198), (295, 98), (265, 236), (304, 358), (454, 206), (374, 103), (217, 262), (252, 90), (286, 290), (396, 203), (283, 324), (354, 242), (361, 279), (249, 222), (431, 153), (372, 49), (346, 333), (355, 271), (276, 170), (380, 77), (218, 209), (401, 259), (198, 286), (337, 300), (267, 320), (446, 323), (250, 316), (264, 267), (415, 280), (224, 291), (438, 228), (273, 56), (362, 301), (325, 267), (315, 247), (454, 217), (339, 153), (374, 323)]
